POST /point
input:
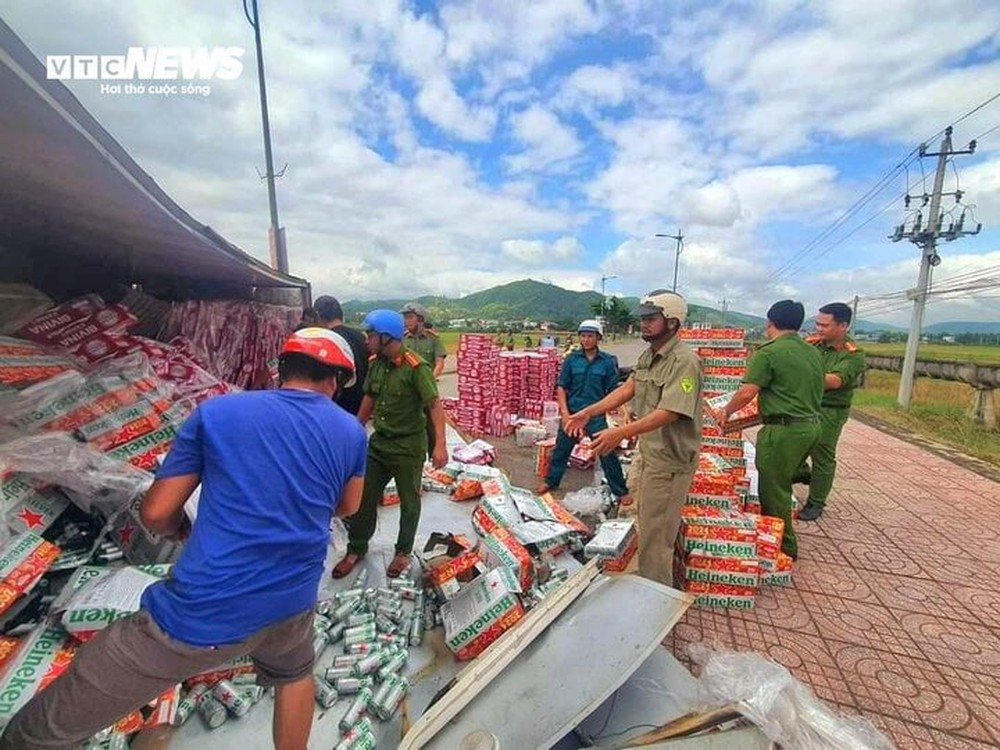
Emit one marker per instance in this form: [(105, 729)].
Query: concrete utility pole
[(854, 313), (677, 252), (926, 236), (276, 234), (725, 309)]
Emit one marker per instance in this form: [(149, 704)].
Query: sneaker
[(810, 512)]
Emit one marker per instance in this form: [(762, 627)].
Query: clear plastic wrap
[(91, 479), (588, 501), (784, 709)]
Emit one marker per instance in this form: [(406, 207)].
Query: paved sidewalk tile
[(894, 614)]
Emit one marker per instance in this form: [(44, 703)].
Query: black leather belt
[(782, 419)]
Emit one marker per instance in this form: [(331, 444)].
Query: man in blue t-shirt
[(273, 467)]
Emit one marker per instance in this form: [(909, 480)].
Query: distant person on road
[(587, 376), (666, 385), (274, 466), (843, 367), (400, 393), (330, 315), (422, 338), (786, 376), (527, 341)]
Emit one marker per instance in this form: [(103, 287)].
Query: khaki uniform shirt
[(790, 375), (670, 379), (428, 345)]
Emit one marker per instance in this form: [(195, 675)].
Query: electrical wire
[(992, 130)]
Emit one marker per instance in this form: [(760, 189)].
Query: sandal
[(346, 565), (400, 563)]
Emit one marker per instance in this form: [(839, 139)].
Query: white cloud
[(549, 141), (440, 103), (592, 87), (535, 252)]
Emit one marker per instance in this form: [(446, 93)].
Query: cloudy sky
[(446, 147)]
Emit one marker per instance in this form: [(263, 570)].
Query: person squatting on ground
[(273, 467), (399, 394), (785, 375), (666, 385), (587, 376)]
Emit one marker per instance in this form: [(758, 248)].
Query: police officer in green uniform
[(422, 339), (843, 367), (786, 376), (425, 342), (399, 394), (666, 385)]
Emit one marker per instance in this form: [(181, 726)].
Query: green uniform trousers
[(389, 458), (780, 451), (819, 471)]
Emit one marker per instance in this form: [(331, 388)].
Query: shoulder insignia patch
[(687, 384), (813, 339), (850, 346), (413, 360), (431, 332)]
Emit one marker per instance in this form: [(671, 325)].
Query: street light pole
[(677, 252), (604, 297), (276, 234)]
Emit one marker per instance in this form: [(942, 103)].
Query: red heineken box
[(23, 561), (721, 596), (719, 540), (44, 654), (620, 563), (481, 613), (500, 548), (731, 571)]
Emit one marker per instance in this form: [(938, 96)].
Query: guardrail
[(984, 380)]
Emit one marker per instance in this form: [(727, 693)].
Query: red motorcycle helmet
[(325, 346)]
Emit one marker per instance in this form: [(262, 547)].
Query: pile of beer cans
[(373, 628)]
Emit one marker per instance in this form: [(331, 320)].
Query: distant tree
[(617, 315)]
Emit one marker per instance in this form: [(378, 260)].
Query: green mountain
[(956, 327), (533, 300)]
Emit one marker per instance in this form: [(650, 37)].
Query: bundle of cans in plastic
[(373, 630)]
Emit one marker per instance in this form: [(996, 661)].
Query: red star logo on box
[(31, 518), (125, 534)]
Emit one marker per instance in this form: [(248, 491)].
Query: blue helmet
[(386, 322)]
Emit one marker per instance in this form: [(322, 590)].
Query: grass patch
[(981, 354), (940, 411)]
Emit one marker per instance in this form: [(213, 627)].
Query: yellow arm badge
[(687, 384)]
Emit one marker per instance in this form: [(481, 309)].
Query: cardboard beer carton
[(481, 613), (722, 596), (500, 548), (44, 655), (719, 540), (23, 561), (748, 416), (731, 571)]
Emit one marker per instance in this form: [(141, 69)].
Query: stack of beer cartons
[(478, 368), (495, 387), (726, 548)]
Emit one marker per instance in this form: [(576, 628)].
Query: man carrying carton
[(843, 365), (399, 394), (666, 386), (587, 376), (786, 377), (273, 467)]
